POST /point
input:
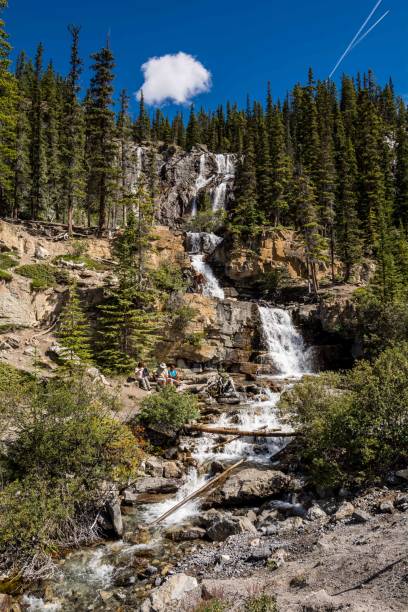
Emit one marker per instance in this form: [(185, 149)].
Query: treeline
[(333, 164)]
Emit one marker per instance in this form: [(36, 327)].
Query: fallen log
[(270, 433), (203, 489), (237, 438)]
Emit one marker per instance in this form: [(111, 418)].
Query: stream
[(86, 572)]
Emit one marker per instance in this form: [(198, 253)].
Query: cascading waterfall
[(286, 350), (226, 171), (200, 244), (201, 181)]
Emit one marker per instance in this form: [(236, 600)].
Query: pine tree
[(281, 166), (142, 129), (308, 221), (124, 131), (8, 120), (348, 232), (73, 137), (129, 321), (22, 168), (264, 171), (193, 131), (52, 115), (101, 133), (401, 172), (246, 217), (38, 158), (74, 333)]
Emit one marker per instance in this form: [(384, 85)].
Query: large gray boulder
[(180, 592), (250, 485), (227, 526)]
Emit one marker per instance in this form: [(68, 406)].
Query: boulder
[(113, 507), (172, 470), (187, 532), (401, 503), (403, 474), (172, 594), (345, 510), (249, 485), (153, 484), (227, 526), (361, 516), (154, 466), (316, 513), (6, 603), (386, 507), (41, 252)]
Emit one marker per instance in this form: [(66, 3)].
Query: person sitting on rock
[(162, 375), (173, 375), (142, 375)]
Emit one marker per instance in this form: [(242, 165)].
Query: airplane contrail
[(369, 30), (350, 46)]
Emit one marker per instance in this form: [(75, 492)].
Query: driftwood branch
[(237, 438), (208, 485), (270, 433)]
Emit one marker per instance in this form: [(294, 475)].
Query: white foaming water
[(286, 349), (225, 169), (211, 287), (193, 482), (36, 603), (201, 182)]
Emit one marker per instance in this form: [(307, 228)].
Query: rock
[(187, 532), (401, 503), (277, 559), (6, 603), (316, 513), (172, 592), (227, 526), (105, 595), (344, 511), (41, 252), (361, 516), (386, 507), (154, 466), (113, 507), (172, 470), (157, 485), (320, 601), (128, 497), (13, 341), (249, 485), (290, 524), (259, 554), (403, 474)]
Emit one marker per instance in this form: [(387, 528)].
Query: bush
[(168, 278), (65, 449), (263, 603), (214, 605), (8, 260), (354, 425), (207, 221), (43, 275), (5, 276), (195, 339), (169, 408)]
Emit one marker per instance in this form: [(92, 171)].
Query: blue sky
[(242, 44)]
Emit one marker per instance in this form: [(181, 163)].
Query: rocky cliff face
[(181, 177)]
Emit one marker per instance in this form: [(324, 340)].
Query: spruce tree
[(38, 158), (101, 132), (193, 131), (73, 137), (281, 166), (401, 171), (8, 120), (142, 130), (52, 145), (129, 322), (74, 333), (124, 131), (22, 168)]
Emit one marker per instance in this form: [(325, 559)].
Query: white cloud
[(173, 78)]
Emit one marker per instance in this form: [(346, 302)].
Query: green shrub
[(167, 407), (6, 276), (195, 339), (207, 221), (214, 605), (183, 316), (168, 277), (89, 263), (355, 424), (261, 603), (43, 275), (8, 260), (65, 448)]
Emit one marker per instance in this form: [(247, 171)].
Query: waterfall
[(225, 171), (285, 345), (200, 182), (200, 244)]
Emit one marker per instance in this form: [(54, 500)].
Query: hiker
[(142, 374), (162, 375), (173, 375), (200, 281)]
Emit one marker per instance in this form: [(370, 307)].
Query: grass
[(6, 276), (89, 263), (43, 275), (262, 603), (8, 260), (214, 605)]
